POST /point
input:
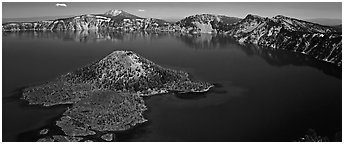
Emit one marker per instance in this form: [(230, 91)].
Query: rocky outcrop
[(107, 95), (280, 32), (206, 23)]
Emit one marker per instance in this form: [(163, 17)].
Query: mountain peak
[(120, 14), (114, 12), (281, 17), (252, 16)]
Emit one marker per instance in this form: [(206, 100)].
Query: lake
[(260, 94)]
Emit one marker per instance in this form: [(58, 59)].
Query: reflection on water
[(199, 42), (206, 41), (272, 56), (86, 36), (284, 58), (216, 96)]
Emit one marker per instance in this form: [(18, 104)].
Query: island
[(107, 95)]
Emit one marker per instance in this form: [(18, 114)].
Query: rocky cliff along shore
[(280, 32), (107, 95)]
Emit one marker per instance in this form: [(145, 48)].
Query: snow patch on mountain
[(320, 42), (204, 27), (113, 12)]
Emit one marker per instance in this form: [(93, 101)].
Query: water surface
[(260, 95)]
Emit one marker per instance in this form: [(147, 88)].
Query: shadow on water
[(206, 41), (87, 36), (217, 89), (273, 57), (191, 96), (34, 135), (16, 95), (282, 58), (133, 133), (140, 129)]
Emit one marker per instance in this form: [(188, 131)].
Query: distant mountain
[(207, 23), (253, 25), (326, 21), (119, 15), (280, 32), (113, 19), (32, 19)]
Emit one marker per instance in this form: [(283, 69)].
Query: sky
[(168, 10)]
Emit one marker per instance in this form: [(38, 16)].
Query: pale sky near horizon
[(175, 10)]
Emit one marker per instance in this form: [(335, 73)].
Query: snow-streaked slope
[(113, 12), (280, 32), (206, 23)]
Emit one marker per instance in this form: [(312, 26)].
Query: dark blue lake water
[(260, 94)]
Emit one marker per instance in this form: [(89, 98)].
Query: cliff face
[(279, 32), (83, 22), (113, 19), (321, 42), (206, 23)]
